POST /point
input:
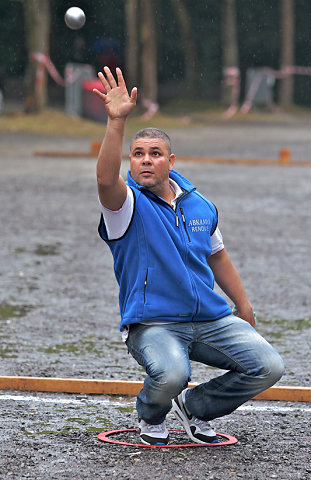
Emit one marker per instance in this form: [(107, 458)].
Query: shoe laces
[(155, 428), (202, 424)]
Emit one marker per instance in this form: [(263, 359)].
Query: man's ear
[(172, 160)]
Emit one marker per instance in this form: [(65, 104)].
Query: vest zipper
[(145, 285), (184, 194), (184, 223)]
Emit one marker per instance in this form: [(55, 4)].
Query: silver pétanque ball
[(75, 18)]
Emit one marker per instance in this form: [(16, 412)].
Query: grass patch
[(77, 348), (64, 431), (47, 249), (180, 113), (10, 311), (8, 352), (73, 424), (19, 250), (56, 122), (116, 346), (49, 122), (280, 327), (126, 409), (286, 324), (94, 429), (81, 421)]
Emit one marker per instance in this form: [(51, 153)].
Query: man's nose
[(146, 160)]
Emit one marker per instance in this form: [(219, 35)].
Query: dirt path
[(59, 309)]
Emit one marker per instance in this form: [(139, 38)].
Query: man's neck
[(166, 193)]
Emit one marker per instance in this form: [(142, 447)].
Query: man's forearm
[(111, 186), (110, 154), (230, 282)]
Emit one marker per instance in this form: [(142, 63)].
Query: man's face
[(150, 163)]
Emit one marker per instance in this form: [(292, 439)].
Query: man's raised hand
[(118, 103)]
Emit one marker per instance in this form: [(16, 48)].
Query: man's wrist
[(116, 122), (244, 306)]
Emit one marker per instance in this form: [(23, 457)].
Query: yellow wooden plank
[(286, 394), (119, 387), (70, 385)]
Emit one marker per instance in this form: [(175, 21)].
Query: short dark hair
[(152, 132)]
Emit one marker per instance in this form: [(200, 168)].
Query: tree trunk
[(149, 52), (191, 58), (131, 47), (230, 52), (37, 26), (287, 51)]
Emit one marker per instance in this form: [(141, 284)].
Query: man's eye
[(156, 154), (137, 154)]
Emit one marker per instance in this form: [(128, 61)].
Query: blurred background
[(195, 54)]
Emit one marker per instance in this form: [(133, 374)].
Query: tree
[(287, 51), (190, 52), (149, 52), (230, 52), (37, 26), (131, 46)]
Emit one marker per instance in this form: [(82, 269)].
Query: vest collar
[(177, 177)]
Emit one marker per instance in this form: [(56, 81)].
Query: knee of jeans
[(272, 369), (177, 380), (276, 368), (172, 380)]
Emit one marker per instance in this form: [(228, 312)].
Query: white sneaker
[(198, 430), (153, 434)]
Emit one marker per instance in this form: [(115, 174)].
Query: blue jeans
[(229, 343)]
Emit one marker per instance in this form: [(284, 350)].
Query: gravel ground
[(59, 309)]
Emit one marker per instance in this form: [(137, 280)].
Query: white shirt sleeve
[(217, 241), (117, 221)]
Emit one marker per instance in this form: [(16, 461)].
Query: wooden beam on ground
[(184, 158), (245, 161), (286, 394), (70, 385), (93, 152), (119, 387), (63, 154), (284, 159)]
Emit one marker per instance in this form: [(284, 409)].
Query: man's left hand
[(247, 314)]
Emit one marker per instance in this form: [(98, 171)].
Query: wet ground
[(59, 308), (55, 437)]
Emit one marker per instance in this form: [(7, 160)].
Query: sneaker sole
[(165, 442)]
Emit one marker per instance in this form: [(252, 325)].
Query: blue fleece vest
[(160, 263)]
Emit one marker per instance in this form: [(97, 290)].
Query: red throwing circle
[(105, 437)]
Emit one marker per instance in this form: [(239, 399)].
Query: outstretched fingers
[(122, 84), (121, 81), (110, 78), (116, 97), (109, 81), (100, 94), (134, 95), (102, 78)]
